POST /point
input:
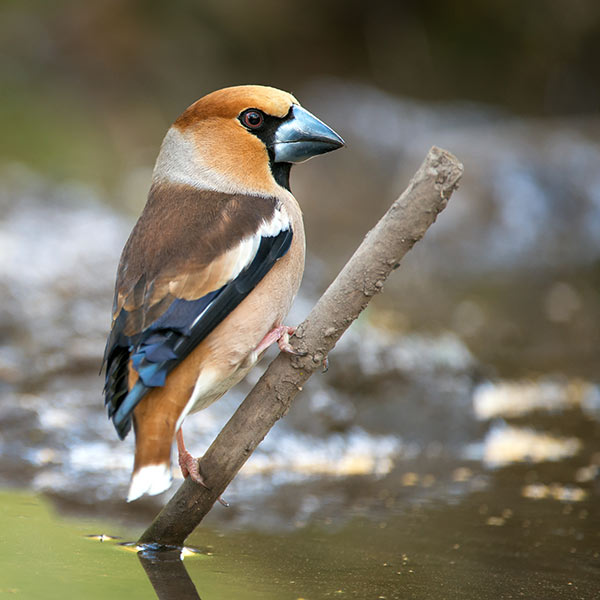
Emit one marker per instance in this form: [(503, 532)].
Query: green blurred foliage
[(88, 87)]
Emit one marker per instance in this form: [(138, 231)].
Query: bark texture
[(364, 275)]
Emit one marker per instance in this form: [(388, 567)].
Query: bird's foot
[(281, 335), (190, 466)]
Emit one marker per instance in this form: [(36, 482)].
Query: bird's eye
[(252, 119)]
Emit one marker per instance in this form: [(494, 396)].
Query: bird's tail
[(150, 479), (152, 465)]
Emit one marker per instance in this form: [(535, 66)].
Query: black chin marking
[(281, 173)]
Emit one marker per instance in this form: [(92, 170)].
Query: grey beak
[(303, 136)]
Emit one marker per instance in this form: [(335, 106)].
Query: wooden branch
[(363, 276)]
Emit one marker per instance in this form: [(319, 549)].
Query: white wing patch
[(246, 250), (248, 247), (278, 223)]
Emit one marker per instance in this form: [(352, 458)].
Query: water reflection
[(167, 573)]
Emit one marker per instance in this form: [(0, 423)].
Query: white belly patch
[(211, 385)]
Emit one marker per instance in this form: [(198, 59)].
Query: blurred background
[(467, 392)]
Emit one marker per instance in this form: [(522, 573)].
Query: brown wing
[(184, 245), (191, 259)]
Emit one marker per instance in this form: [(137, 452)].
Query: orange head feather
[(213, 145)]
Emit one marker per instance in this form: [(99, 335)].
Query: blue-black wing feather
[(163, 344)]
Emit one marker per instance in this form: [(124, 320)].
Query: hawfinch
[(210, 269)]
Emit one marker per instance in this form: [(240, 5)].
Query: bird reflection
[(167, 573)]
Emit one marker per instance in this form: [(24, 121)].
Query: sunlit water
[(451, 451)]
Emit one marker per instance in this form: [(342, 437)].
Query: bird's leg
[(281, 335), (189, 465)]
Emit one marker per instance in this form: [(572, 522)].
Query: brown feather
[(180, 248), (155, 417), (227, 351)]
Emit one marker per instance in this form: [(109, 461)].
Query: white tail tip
[(151, 480)]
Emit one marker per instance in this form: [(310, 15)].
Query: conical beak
[(302, 136)]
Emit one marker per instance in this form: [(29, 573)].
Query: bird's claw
[(284, 342), (281, 335), (191, 467)]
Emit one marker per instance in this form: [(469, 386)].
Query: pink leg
[(281, 335), (189, 465)]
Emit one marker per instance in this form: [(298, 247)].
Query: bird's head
[(242, 140)]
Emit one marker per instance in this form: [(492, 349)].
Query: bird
[(210, 269)]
